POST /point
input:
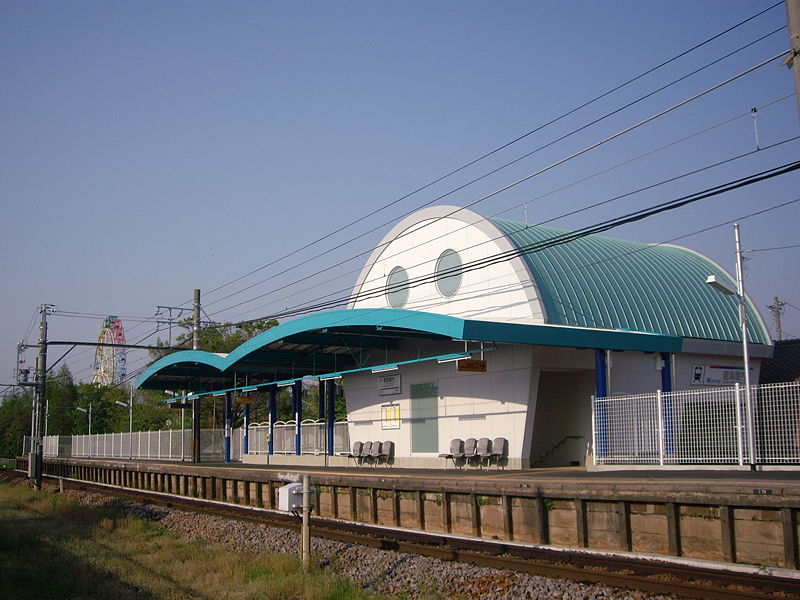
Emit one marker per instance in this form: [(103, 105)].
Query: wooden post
[(580, 519), (789, 523), (625, 540), (373, 505), (447, 523), (396, 508), (334, 502), (475, 514), (542, 521), (508, 520), (673, 528), (353, 504), (421, 510), (726, 522)]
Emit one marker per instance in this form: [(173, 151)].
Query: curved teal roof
[(336, 341), (603, 282)]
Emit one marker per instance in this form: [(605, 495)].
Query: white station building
[(465, 327)]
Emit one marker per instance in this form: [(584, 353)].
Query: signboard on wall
[(390, 416), (717, 375), (389, 385), (472, 365)]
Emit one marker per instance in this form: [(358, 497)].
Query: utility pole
[(195, 400), (196, 321), (793, 60), (39, 403), (777, 309), (745, 349)]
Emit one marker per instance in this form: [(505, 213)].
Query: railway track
[(612, 569)]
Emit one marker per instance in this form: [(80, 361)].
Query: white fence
[(170, 444), (699, 427), (313, 437), (176, 444)]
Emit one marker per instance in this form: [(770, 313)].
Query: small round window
[(448, 273), (397, 288)]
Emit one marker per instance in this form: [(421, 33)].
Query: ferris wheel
[(110, 361)]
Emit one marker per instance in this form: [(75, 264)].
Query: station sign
[(243, 400), (471, 365), (717, 375), (180, 405), (389, 385)]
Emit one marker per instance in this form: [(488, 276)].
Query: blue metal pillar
[(273, 414), (297, 401), (600, 367), (666, 386), (330, 390), (245, 440), (321, 400), (228, 425)]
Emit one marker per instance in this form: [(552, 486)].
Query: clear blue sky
[(150, 148)]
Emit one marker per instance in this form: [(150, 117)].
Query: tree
[(15, 423), (102, 400), (222, 338), (62, 398)]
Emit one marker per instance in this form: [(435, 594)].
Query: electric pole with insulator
[(793, 60), (39, 404), (196, 399), (777, 308)]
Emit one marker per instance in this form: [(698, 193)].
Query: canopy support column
[(297, 401), (196, 429), (228, 419), (273, 415), (330, 390), (601, 383), (666, 386), (245, 438)]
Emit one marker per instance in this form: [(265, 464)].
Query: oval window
[(397, 288), (448, 273)]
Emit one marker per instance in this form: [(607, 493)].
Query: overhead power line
[(502, 147), (465, 185), (555, 218), (548, 167), (775, 248), (550, 242)]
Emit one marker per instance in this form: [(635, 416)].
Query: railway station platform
[(729, 516)]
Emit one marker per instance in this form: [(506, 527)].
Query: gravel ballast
[(390, 573)]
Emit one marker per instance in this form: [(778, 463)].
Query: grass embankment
[(52, 547)]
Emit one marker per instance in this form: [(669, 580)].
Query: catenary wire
[(503, 146), (555, 164), (485, 175), (557, 240), (570, 213)]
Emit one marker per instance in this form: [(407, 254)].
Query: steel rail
[(621, 571)]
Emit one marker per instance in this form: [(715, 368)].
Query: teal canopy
[(331, 342)]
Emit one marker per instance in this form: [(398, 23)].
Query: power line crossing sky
[(151, 148)]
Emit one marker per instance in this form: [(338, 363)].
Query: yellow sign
[(472, 365), (391, 416)]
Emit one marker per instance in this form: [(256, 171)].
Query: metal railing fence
[(699, 427), (313, 435), (170, 444), (176, 444)]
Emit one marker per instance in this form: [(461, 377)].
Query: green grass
[(51, 547)]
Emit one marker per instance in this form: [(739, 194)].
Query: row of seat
[(474, 451), (374, 452)]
